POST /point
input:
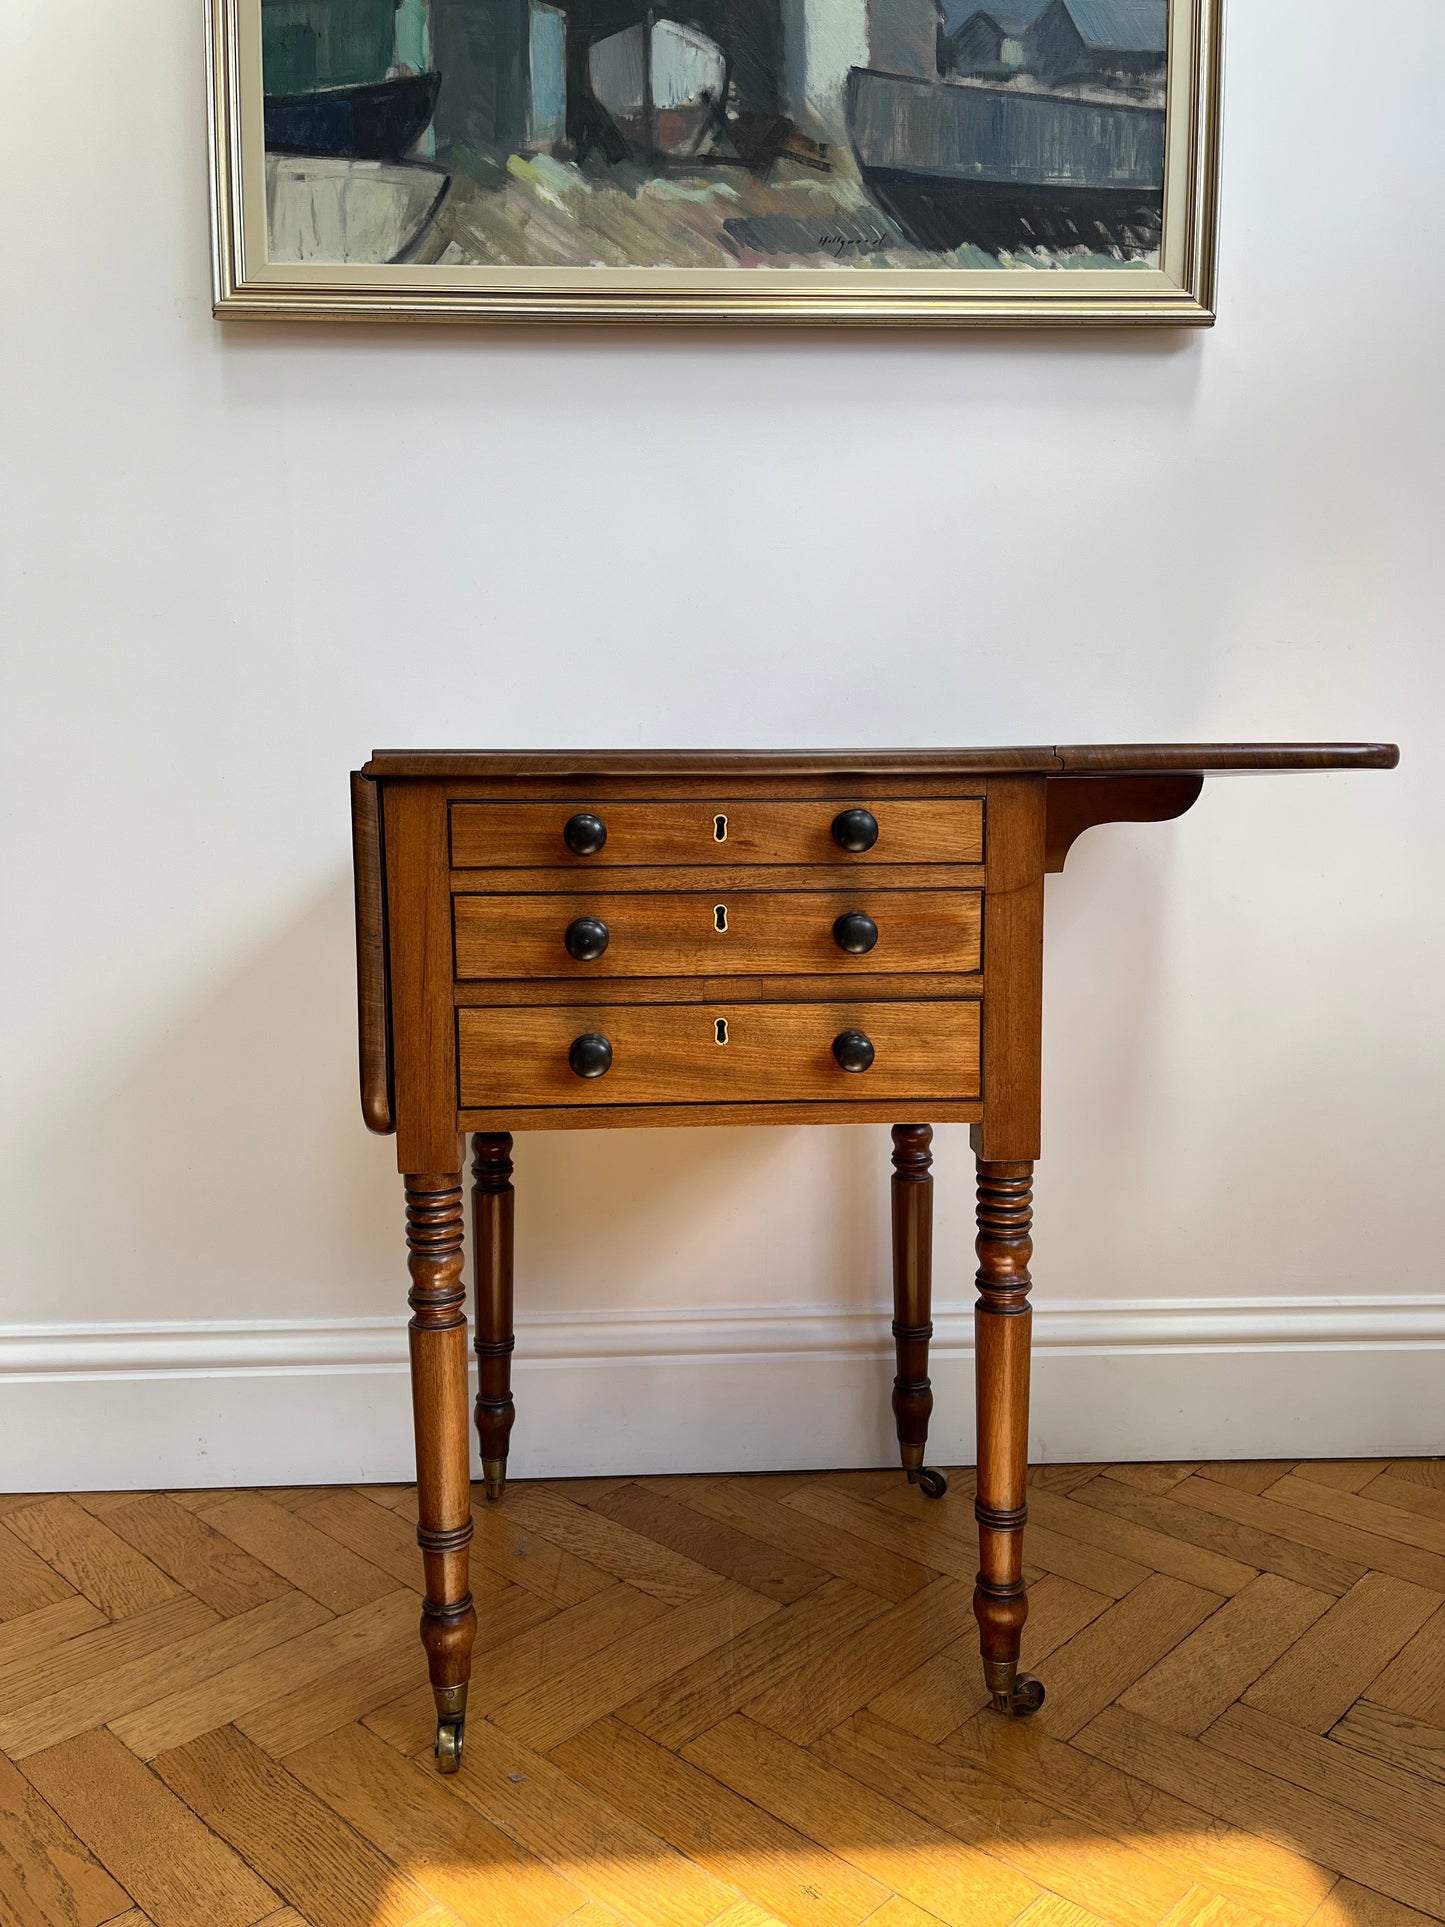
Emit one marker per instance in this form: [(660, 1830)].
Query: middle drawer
[(682, 933)]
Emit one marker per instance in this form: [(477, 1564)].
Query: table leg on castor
[(1002, 1322), (438, 1345), (912, 1192), (492, 1217)]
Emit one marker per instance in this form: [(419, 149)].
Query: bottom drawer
[(716, 1053)]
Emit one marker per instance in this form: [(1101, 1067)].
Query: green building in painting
[(340, 43), (502, 61)]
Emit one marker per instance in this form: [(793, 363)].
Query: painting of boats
[(1003, 167), (379, 120), (326, 207), (660, 83), (835, 137)]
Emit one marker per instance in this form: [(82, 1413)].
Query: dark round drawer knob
[(587, 938), (585, 834), (853, 1050), (591, 1055), (855, 829), (854, 932)]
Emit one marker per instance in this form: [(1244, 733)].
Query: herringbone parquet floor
[(736, 1701)]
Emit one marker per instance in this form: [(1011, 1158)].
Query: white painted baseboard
[(95, 1407)]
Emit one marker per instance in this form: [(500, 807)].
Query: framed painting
[(775, 161)]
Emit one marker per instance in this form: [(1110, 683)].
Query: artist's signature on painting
[(837, 241)]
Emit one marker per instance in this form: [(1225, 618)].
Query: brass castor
[(451, 1726), (494, 1471), (448, 1748), (1013, 1693), (932, 1483)]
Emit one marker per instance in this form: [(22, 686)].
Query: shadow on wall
[(226, 1173), (224, 1170), (1106, 1029), (701, 1217)]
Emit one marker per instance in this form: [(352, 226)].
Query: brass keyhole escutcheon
[(719, 829), (720, 1030), (720, 916)]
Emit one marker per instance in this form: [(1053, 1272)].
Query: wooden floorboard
[(733, 1702)]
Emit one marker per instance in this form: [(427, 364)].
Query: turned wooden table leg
[(492, 1216), (438, 1342), (1002, 1322), (912, 1300)]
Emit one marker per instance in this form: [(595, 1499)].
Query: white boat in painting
[(663, 89), (322, 207)]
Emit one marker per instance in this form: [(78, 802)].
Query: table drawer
[(909, 830), (681, 933), (716, 1053)]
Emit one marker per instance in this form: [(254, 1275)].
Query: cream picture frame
[(1064, 286)]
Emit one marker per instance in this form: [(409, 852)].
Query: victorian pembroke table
[(577, 940)]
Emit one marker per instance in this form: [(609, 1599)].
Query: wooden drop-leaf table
[(575, 940)]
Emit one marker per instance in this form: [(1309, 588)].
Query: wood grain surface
[(670, 1054), (719, 829), (717, 932), (371, 993), (728, 1702), (1111, 758)]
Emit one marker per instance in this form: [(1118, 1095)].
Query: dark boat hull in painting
[(381, 120), (956, 162)]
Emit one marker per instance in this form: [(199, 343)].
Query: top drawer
[(741, 830)]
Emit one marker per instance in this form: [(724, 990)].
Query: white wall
[(237, 558)]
